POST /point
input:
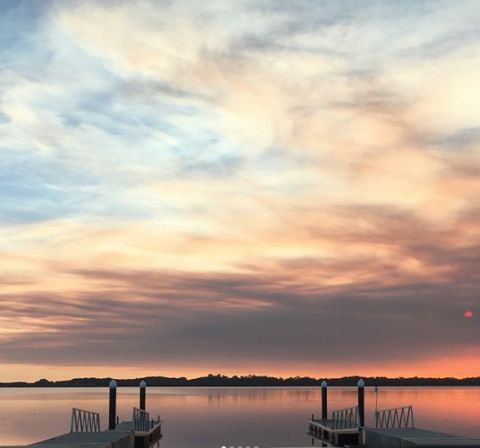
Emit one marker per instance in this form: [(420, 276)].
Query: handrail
[(84, 421), (401, 417), (141, 420), (345, 418)]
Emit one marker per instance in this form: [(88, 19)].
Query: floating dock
[(85, 430), (323, 432), (414, 437), (394, 428), (104, 439), (123, 436)]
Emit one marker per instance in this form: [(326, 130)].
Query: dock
[(394, 428), (333, 432), (86, 432), (104, 439), (125, 435), (415, 437)]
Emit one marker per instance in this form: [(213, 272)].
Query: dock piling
[(112, 409), (324, 401), (143, 395), (361, 402)]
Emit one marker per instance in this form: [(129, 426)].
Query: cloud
[(238, 181), (367, 306)]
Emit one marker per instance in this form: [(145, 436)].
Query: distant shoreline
[(249, 381)]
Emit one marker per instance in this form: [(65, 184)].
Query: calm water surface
[(213, 417)]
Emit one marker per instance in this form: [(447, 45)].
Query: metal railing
[(84, 421), (395, 418), (345, 418), (141, 420), (314, 429)]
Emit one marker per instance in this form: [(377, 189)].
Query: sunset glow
[(268, 187)]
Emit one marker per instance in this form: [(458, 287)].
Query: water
[(216, 417)]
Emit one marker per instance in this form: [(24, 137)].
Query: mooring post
[(324, 401), (361, 402), (143, 395), (112, 409)]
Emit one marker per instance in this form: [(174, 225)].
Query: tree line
[(250, 381)]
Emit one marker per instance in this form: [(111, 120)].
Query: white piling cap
[(324, 383), (143, 384), (113, 383), (361, 383)]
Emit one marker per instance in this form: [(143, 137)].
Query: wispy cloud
[(238, 181)]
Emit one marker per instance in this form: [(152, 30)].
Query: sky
[(239, 187)]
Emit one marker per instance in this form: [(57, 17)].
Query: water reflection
[(215, 417)]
